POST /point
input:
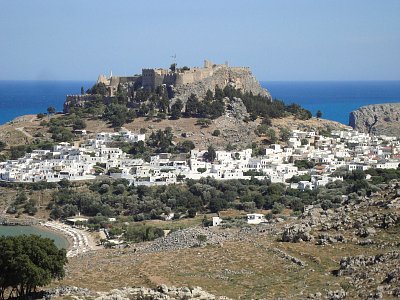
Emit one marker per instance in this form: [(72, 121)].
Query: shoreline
[(79, 240), (60, 240), (65, 237)]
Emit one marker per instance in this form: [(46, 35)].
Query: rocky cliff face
[(240, 78), (377, 119)]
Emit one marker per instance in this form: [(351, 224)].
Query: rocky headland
[(380, 119)]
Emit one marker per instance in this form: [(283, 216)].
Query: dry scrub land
[(240, 269), (23, 130)]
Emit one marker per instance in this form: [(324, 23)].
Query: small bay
[(59, 240)]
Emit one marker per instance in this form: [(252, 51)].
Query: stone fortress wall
[(154, 77), (184, 81), (112, 82), (199, 80)]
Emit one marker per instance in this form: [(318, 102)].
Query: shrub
[(277, 208), (27, 262), (216, 132), (142, 233)]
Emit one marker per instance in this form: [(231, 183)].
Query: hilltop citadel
[(151, 78), (179, 82)]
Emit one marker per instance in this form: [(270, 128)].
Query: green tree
[(51, 110), (271, 135), (142, 233), (61, 134), (30, 207), (27, 262), (192, 106), (203, 122), (318, 114), (284, 134), (201, 238), (98, 89), (219, 93), (185, 146), (161, 139), (79, 124), (116, 114), (21, 198), (176, 110), (210, 154), (209, 96), (304, 142), (277, 208), (2, 145), (216, 132), (261, 129), (82, 91)]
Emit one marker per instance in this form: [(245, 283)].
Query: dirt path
[(21, 129)]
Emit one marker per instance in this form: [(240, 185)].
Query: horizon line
[(262, 80)]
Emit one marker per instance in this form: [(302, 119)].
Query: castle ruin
[(180, 82), (180, 77)]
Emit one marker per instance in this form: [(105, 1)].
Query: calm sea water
[(59, 240), (31, 97), (335, 99)]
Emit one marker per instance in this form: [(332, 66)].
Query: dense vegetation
[(15, 152), (157, 105), (126, 105), (261, 106), (27, 262), (116, 198)]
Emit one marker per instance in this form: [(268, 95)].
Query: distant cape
[(382, 119)]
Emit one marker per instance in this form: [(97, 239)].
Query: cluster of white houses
[(342, 149)]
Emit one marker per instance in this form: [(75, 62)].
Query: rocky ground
[(162, 292), (380, 119), (351, 252), (370, 222)]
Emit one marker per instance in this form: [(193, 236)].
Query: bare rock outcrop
[(162, 292), (377, 119), (240, 78)]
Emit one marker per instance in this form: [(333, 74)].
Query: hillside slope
[(26, 129)]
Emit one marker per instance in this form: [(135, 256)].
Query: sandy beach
[(79, 240)]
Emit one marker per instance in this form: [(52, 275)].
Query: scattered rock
[(297, 233)]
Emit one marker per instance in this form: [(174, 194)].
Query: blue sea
[(336, 99), (31, 97), (59, 240)]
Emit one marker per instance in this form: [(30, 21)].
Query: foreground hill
[(383, 119), (29, 129)]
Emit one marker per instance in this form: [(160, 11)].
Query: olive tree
[(27, 262)]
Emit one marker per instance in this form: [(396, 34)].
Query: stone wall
[(239, 77), (377, 119), (185, 82), (193, 75)]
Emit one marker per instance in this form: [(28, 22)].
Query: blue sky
[(279, 39)]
